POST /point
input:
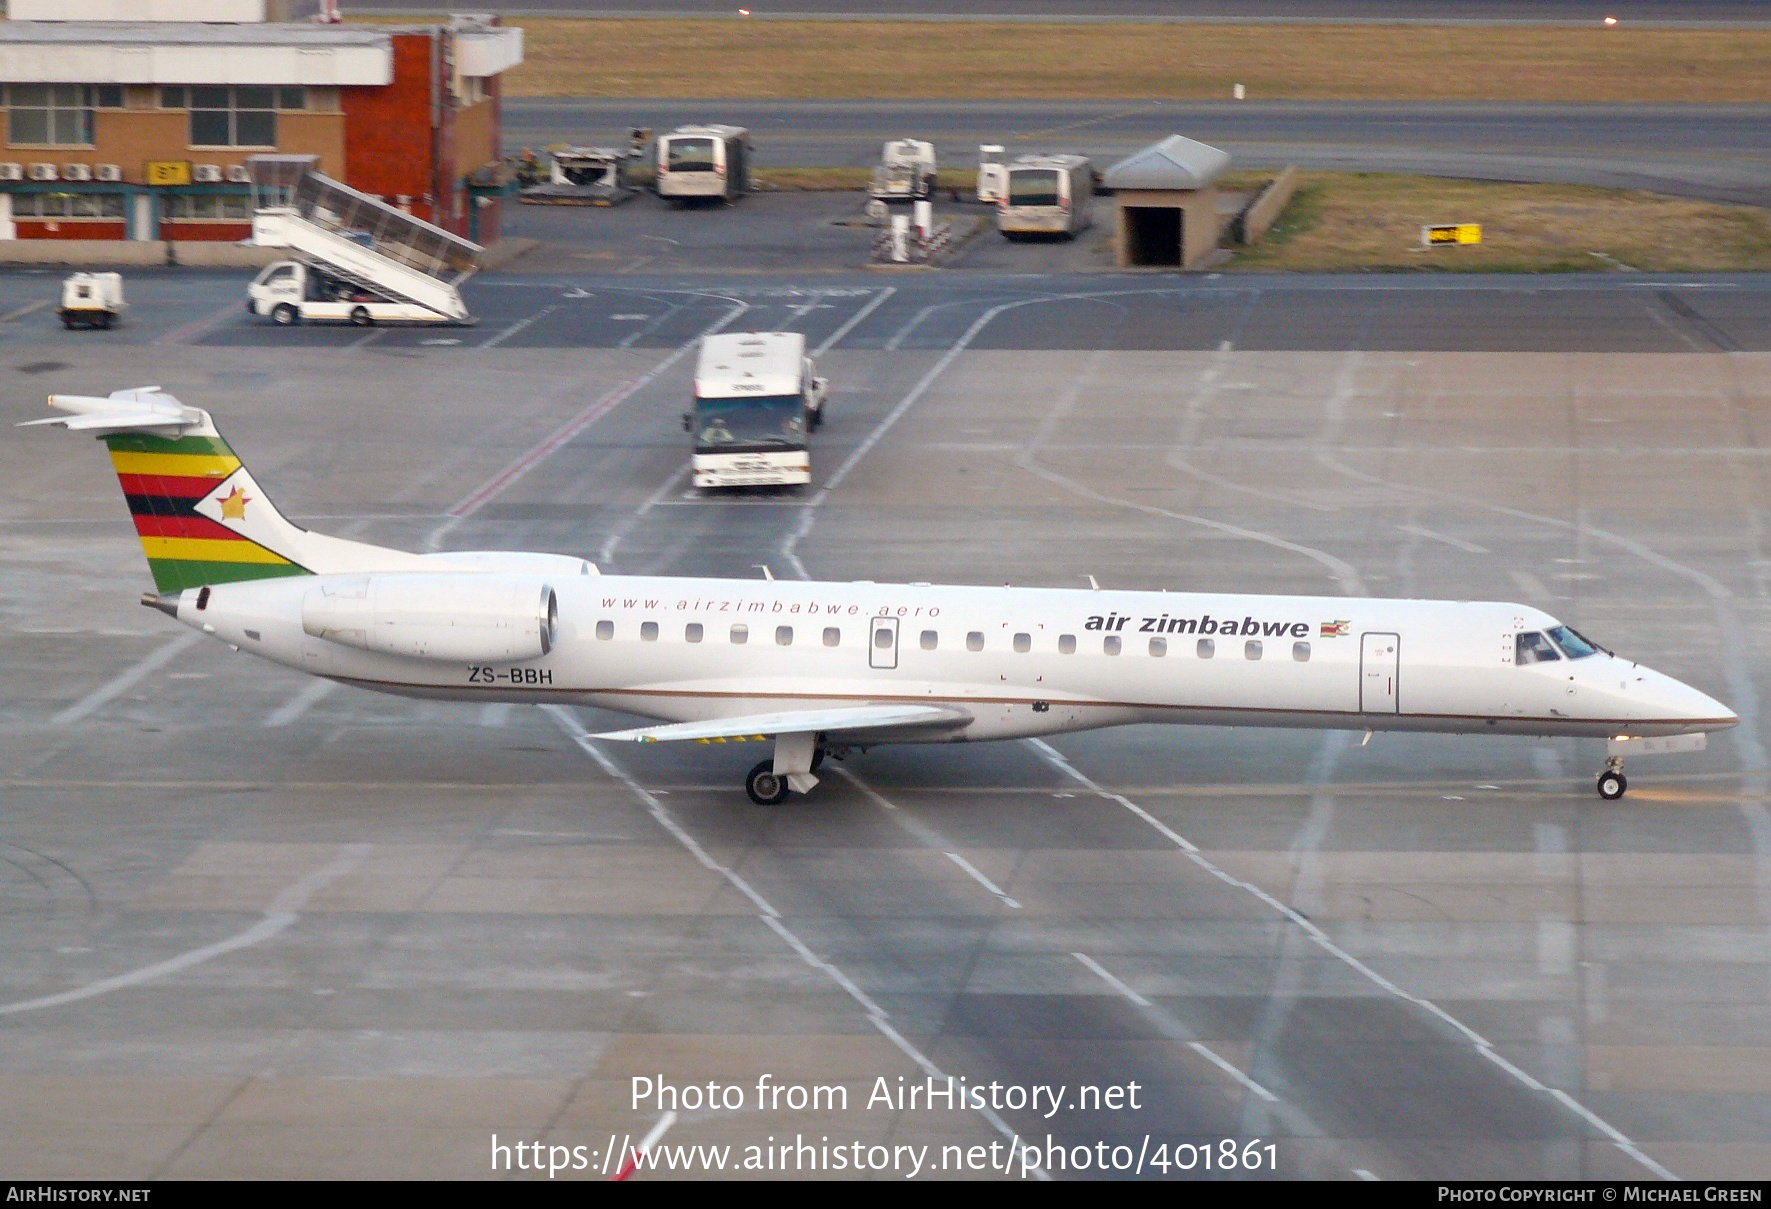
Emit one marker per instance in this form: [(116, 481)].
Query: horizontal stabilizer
[(803, 721), (143, 408)]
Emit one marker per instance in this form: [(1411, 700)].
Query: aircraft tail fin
[(200, 516)]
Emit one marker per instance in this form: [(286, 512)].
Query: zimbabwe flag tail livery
[(201, 518)]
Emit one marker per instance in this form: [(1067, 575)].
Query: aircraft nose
[(1676, 701)]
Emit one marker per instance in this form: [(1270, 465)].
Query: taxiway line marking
[(22, 311), (197, 327), (1174, 1028), (1455, 542), (925, 835), (1481, 1044), (809, 510), (519, 326), (486, 492), (1231, 1070), (1105, 975), (123, 682), (299, 704), (281, 913), (769, 915), (651, 1139), (854, 321), (978, 876)]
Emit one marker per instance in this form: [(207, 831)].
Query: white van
[(1047, 195), (704, 161)]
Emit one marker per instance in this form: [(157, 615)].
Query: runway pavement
[(1719, 152), (253, 926)]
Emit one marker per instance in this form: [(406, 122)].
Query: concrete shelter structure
[(1167, 203)]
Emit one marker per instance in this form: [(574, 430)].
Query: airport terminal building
[(134, 119)]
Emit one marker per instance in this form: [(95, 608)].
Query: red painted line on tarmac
[(199, 327), (493, 486)]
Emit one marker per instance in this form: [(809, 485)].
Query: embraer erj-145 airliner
[(822, 668)]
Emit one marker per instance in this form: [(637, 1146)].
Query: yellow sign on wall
[(169, 172), (1467, 232)]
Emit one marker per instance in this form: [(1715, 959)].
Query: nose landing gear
[(1612, 782)]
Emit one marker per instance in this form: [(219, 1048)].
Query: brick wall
[(390, 147)]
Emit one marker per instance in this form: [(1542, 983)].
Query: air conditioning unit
[(42, 172), (238, 175), (12, 172), (206, 174), (76, 172), (108, 172)]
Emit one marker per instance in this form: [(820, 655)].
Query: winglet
[(143, 408)]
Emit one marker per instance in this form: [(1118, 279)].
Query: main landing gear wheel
[(1612, 784), (764, 786)]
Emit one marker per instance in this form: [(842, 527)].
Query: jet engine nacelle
[(456, 616)]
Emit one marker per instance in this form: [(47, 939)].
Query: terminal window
[(67, 205), (56, 115), (241, 115)]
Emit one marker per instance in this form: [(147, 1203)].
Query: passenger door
[(1379, 661), (882, 643)]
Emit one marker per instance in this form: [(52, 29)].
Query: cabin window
[(1533, 647), (1110, 644), (930, 640), (974, 641), (1300, 651), (605, 630), (1066, 644), (783, 635), (884, 637), (1251, 649), (1159, 647), (740, 634), (1023, 643), (648, 631), (1207, 648), (692, 632), (832, 636)]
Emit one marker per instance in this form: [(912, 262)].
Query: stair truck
[(356, 259)]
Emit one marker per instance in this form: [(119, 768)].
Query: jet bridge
[(358, 238)]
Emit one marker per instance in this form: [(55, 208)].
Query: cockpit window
[(1572, 644), (1533, 647)]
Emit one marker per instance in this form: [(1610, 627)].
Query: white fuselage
[(1017, 661)]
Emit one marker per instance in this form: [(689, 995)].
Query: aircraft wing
[(801, 721)]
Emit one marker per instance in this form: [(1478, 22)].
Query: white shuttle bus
[(704, 161), (1046, 195), (756, 402)]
